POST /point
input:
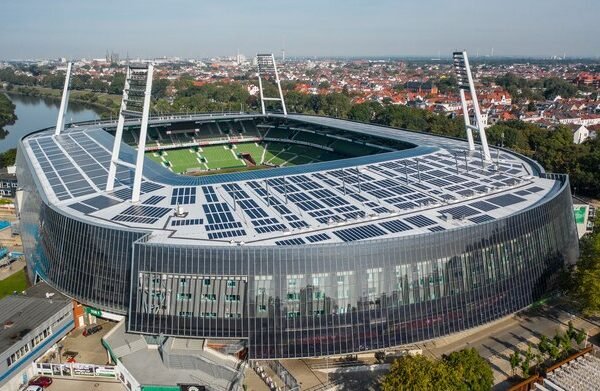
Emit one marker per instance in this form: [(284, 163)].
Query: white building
[(580, 134)]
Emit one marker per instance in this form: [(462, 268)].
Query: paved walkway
[(11, 269), (497, 341)]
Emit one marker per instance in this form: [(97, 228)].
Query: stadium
[(289, 235)]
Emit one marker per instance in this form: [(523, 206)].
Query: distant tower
[(282, 55), (267, 69), (134, 105), (465, 82), (64, 102)]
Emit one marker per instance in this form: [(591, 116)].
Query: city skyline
[(73, 30)]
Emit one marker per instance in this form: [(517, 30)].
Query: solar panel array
[(185, 222), (76, 163), (221, 222), (183, 196), (142, 214)]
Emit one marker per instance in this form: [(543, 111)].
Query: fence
[(290, 382), (75, 369)]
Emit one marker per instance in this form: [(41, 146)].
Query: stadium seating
[(352, 149), (279, 133), (313, 138)]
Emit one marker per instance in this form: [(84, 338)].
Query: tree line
[(553, 148), (7, 111)]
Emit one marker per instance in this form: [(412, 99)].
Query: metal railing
[(289, 381)]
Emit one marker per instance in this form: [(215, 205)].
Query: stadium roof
[(431, 187)]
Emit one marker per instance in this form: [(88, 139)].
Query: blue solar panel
[(298, 224), (153, 200), (148, 187), (226, 234), (142, 214), (437, 228), (460, 211), (269, 228), (420, 221), (222, 226), (481, 219), (101, 202), (183, 196), (82, 208), (535, 189), (177, 223), (358, 233), (209, 194), (506, 200), (484, 206), (290, 242), (318, 238), (395, 226), (123, 194)]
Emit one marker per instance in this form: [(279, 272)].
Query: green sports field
[(220, 156), (215, 157)]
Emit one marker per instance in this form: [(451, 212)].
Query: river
[(35, 113)]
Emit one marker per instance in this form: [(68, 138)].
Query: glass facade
[(302, 301)]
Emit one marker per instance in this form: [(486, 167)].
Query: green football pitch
[(214, 157)]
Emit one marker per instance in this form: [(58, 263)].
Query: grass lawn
[(219, 157), (151, 155), (254, 150), (17, 282), (182, 159)]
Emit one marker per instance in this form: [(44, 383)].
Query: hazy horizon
[(68, 28)]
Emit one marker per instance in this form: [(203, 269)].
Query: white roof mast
[(465, 82), (64, 102), (268, 69), (134, 105)]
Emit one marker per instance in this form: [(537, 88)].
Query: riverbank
[(7, 111), (107, 103)]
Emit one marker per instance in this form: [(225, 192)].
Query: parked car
[(92, 330), (34, 388), (41, 381)]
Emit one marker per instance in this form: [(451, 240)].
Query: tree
[(544, 345), (364, 112), (8, 158), (418, 373), (324, 85), (554, 351), (515, 361), (337, 105), (116, 84), (586, 278), (460, 371), (159, 88), (580, 336), (526, 363), (475, 373), (565, 344)]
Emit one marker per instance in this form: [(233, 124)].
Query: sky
[(200, 29)]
